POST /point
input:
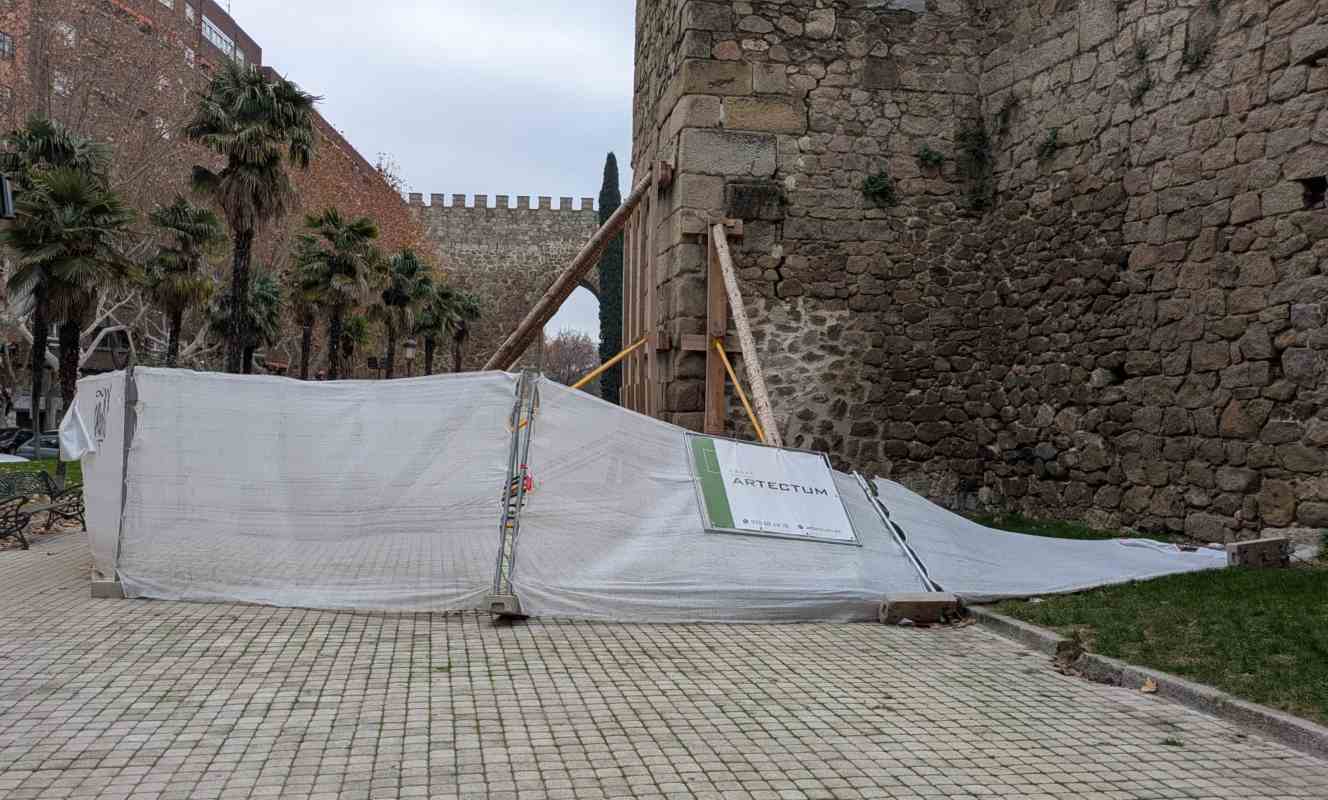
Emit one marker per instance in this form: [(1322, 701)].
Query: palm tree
[(407, 284), (354, 335), (336, 259), (434, 321), (177, 281), (465, 310), (31, 153), (303, 302), (65, 242), (264, 324), (257, 124)]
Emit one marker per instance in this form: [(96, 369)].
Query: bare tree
[(570, 356)]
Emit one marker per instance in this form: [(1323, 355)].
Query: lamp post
[(408, 349)]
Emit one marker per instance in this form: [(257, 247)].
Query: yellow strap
[(719, 348), (609, 364)]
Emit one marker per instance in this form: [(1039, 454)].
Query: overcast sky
[(468, 96)]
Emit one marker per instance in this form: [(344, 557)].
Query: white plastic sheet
[(96, 428), (613, 531), (349, 494), (982, 564)]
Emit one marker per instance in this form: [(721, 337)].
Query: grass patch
[(1258, 634), (48, 466)]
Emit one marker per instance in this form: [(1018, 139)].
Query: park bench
[(16, 493), (64, 504)]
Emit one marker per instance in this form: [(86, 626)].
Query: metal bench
[(14, 519), (64, 504)]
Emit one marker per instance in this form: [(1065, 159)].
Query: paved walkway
[(127, 699)]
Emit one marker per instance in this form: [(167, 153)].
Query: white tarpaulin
[(391, 495), (347, 494), (982, 564), (93, 432)]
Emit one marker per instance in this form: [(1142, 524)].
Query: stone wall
[(1104, 300), (507, 255)]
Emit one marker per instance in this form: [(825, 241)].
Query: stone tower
[(1090, 279)]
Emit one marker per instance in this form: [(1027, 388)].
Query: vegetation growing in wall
[(928, 157), (1049, 145), (1006, 114), (880, 189), (1140, 52), (976, 162), (1196, 53), (1141, 89)]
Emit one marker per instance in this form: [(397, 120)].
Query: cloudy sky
[(468, 96)]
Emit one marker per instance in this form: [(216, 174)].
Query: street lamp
[(409, 348)]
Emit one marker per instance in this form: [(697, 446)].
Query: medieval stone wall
[(506, 255), (1104, 300)]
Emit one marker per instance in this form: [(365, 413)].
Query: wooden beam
[(760, 396), (717, 326), (571, 277)]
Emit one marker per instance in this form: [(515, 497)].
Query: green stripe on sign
[(712, 483)]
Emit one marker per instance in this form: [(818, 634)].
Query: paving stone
[(130, 699)]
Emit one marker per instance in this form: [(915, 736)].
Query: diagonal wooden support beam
[(507, 354), (760, 396)]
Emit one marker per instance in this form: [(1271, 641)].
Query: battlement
[(501, 202)]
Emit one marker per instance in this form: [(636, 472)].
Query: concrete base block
[(923, 607), (505, 605), (107, 590), (1260, 553)]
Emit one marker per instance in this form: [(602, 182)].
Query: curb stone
[(1294, 732)]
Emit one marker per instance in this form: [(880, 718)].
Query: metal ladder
[(503, 601)]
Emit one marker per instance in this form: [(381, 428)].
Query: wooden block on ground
[(926, 608), (1260, 553)]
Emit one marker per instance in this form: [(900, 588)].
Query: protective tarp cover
[(348, 494), (93, 431), (982, 564), (613, 531)]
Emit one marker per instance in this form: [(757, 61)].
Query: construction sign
[(768, 491)]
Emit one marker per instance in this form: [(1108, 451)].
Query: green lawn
[(75, 469), (1258, 634)]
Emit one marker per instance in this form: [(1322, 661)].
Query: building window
[(239, 56), (167, 3), (6, 45), (218, 37), (60, 83), (6, 100), (189, 12), (189, 56)]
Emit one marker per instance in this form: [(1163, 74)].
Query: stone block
[(770, 78), (1097, 22), (1260, 553), (1284, 198), (107, 590), (820, 24), (716, 77), (705, 192), (923, 607), (707, 16), (754, 200), (767, 114), (880, 73), (1309, 44), (719, 152)]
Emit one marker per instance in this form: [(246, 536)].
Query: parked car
[(50, 447), (6, 458), (15, 440)]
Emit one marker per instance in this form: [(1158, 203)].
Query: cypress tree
[(610, 285)]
